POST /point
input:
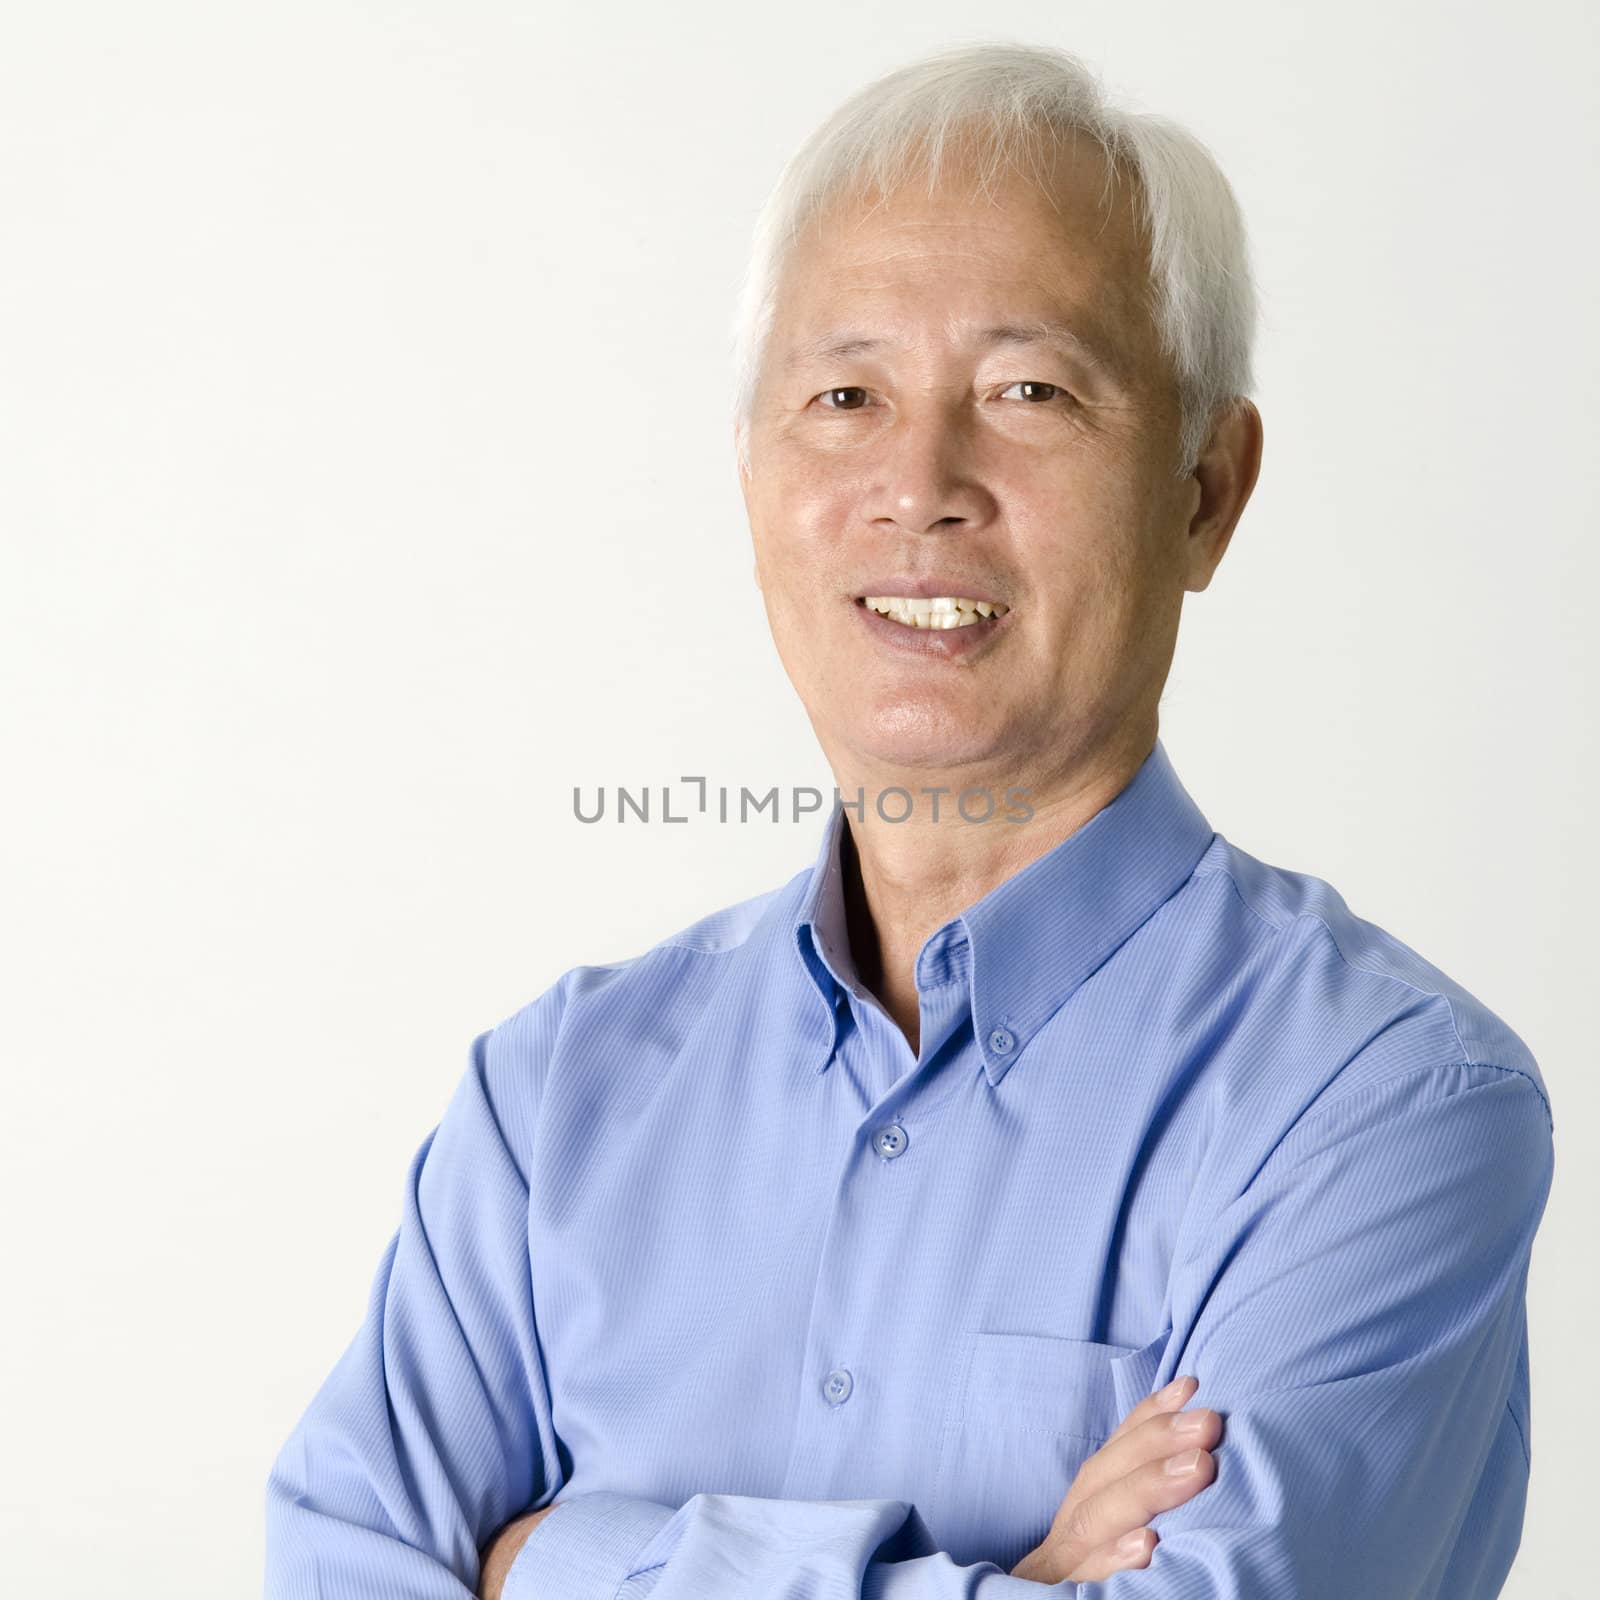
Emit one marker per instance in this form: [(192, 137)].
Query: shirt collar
[(1033, 939)]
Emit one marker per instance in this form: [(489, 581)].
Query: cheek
[(1091, 580), (797, 534)]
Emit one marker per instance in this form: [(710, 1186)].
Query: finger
[(1126, 1554), (1131, 1501), (1157, 1437), (1177, 1393)]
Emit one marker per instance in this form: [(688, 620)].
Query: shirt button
[(837, 1385), (889, 1142), (1002, 1042)]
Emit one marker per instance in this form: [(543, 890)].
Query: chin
[(940, 745)]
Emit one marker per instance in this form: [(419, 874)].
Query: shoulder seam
[(1434, 1066), (1393, 977), (675, 943)]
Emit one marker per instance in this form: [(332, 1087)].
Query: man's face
[(947, 461)]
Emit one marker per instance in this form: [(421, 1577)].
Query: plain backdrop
[(366, 485)]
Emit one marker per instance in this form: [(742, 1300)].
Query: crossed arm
[(1156, 1459), (1355, 1316)]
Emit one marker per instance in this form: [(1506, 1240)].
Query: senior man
[(850, 1241)]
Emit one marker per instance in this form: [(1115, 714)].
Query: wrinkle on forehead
[(908, 237), (1080, 191)]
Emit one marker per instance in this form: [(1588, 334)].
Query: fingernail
[(1187, 1462), (1131, 1544), (1189, 1422), (1175, 1388)]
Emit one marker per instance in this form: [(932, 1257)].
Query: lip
[(937, 644)]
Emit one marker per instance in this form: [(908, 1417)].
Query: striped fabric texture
[(770, 1307)]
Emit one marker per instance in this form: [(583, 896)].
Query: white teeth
[(936, 611)]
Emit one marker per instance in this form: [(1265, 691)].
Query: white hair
[(1003, 102)]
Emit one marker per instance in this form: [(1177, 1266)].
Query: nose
[(926, 477)]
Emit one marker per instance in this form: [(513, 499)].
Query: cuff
[(585, 1548)]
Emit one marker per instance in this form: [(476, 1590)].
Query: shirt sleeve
[(433, 1430), (732, 1547), (1358, 1318), (1359, 1322)]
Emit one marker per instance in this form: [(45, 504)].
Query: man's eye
[(1040, 392), (830, 398)]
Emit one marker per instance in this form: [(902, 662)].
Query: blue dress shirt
[(769, 1307)]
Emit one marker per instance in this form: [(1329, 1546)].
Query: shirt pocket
[(1137, 1375), (1028, 1411)]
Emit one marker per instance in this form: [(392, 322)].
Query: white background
[(365, 485)]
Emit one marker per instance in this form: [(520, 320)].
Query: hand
[(1123, 1484), (503, 1550)]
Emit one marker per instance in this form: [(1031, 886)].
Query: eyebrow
[(1046, 331)]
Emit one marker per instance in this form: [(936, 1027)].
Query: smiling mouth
[(938, 611)]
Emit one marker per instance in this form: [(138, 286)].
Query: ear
[(1224, 476)]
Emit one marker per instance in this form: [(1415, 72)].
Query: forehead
[(1067, 245)]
